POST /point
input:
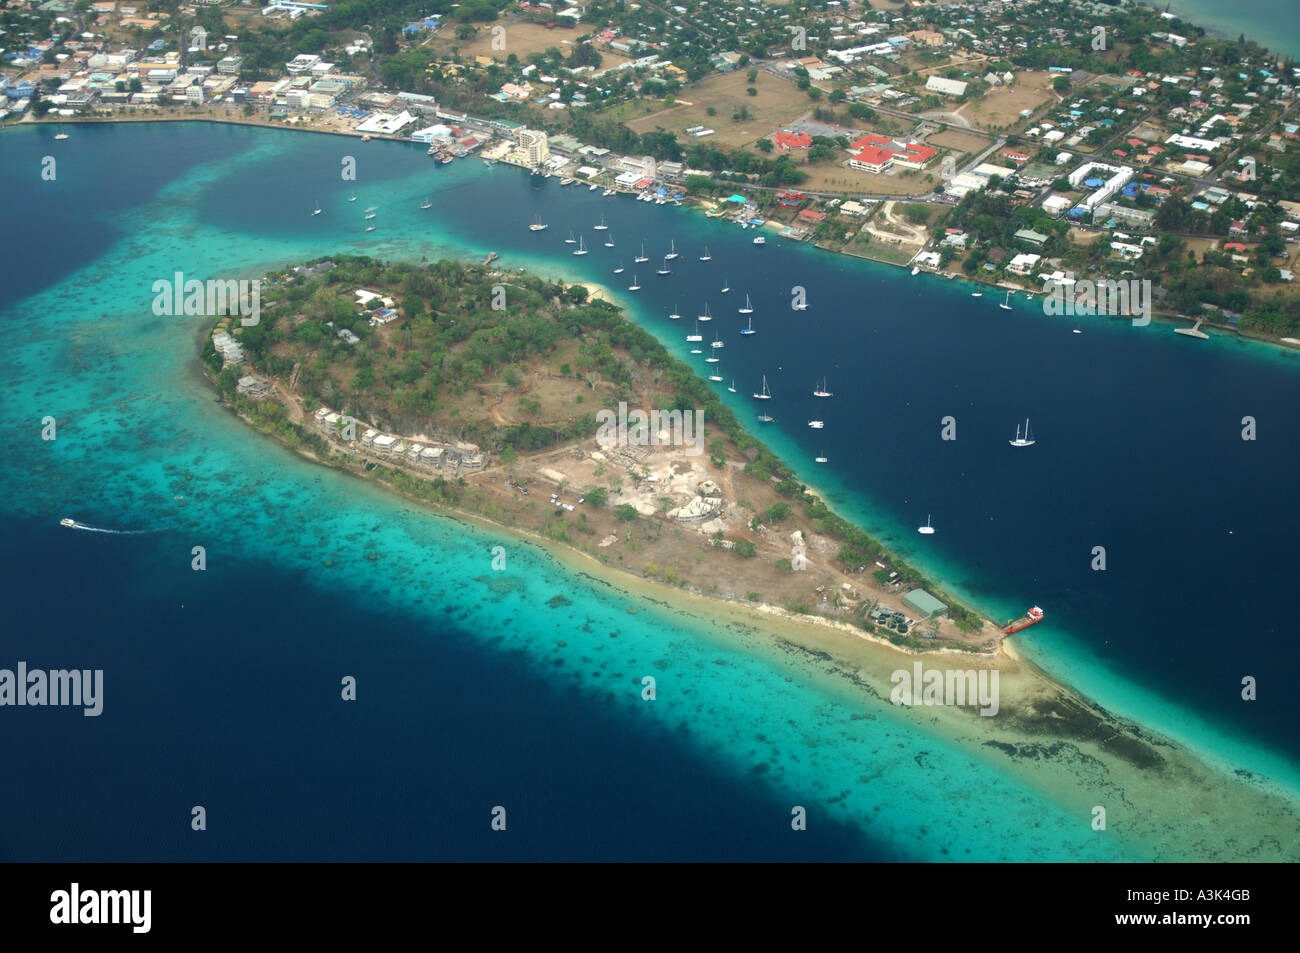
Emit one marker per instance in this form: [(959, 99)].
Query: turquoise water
[(138, 428), (1273, 24)]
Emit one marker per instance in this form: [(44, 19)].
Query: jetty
[(491, 257), (1194, 331)]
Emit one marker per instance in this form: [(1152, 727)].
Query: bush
[(625, 512), (744, 548)]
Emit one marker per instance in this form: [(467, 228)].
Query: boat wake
[(73, 524)]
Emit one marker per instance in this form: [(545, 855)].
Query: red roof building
[(808, 215), (792, 140), (876, 153)]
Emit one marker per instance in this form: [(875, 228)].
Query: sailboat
[(715, 376), (765, 394), (582, 248), (602, 226), (619, 269), (317, 212), (706, 316), (820, 390), (816, 424), (749, 329), (765, 418), (570, 239), (428, 203), (352, 198), (372, 208), (748, 308), (725, 287), (672, 251), (1027, 440), (927, 529), (706, 256), (641, 257), (635, 285), (696, 336), (717, 341), (609, 240), (369, 216), (674, 316), (732, 387), (538, 225), (820, 459), (664, 270), (977, 294), (1006, 305)]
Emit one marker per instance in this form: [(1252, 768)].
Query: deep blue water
[(232, 701)]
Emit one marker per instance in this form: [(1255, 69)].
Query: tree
[(626, 512), (764, 145), (597, 496)]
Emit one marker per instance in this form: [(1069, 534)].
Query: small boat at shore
[(916, 270), (1032, 617)]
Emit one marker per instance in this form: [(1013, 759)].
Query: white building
[(946, 87)]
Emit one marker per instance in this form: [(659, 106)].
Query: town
[(1020, 143)]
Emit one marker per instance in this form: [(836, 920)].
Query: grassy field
[(521, 38), (777, 104), (958, 142), (1001, 105), (840, 178)]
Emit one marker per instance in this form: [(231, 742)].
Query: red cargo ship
[(1034, 614)]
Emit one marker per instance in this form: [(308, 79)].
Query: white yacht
[(1027, 440), (927, 529), (748, 308)]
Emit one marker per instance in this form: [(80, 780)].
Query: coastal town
[(1026, 144)]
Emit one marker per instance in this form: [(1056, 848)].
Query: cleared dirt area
[(1001, 105), (840, 178), (958, 142), (521, 38), (777, 104)]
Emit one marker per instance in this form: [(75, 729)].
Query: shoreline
[(1050, 736), (694, 203)]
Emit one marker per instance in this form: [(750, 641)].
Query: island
[(488, 394)]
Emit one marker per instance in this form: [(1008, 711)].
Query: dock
[(1194, 331)]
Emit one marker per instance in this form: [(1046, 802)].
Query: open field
[(840, 178), (958, 142), (521, 39), (1001, 105), (777, 104)]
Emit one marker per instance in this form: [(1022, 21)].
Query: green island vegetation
[(523, 380)]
